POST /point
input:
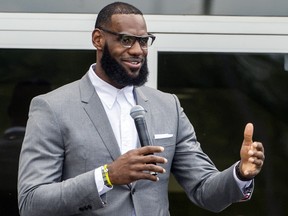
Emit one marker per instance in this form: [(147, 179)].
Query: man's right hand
[(136, 164)]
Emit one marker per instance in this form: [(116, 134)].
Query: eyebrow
[(123, 33)]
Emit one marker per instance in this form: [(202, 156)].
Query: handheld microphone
[(137, 113)]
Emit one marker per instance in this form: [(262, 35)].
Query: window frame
[(175, 33)]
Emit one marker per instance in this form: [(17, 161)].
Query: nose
[(136, 49)]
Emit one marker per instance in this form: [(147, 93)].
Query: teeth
[(134, 63)]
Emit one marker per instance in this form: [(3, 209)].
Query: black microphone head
[(137, 112)]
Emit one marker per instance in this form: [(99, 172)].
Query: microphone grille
[(137, 111)]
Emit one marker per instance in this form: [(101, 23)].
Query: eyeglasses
[(128, 41)]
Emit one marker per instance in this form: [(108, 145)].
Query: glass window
[(159, 7), (26, 73), (220, 93), (56, 67)]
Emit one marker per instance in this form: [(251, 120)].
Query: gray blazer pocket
[(164, 139)]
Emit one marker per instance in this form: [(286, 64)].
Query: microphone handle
[(143, 134), (142, 130)]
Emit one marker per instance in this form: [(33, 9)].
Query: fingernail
[(165, 160), (164, 171)]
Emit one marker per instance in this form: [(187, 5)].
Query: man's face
[(119, 74), (125, 66)]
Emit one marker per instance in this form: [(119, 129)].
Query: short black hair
[(104, 16)]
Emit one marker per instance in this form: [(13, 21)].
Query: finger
[(150, 167), (258, 162), (257, 156), (248, 134), (146, 175), (259, 146), (150, 150), (153, 159), (257, 150)]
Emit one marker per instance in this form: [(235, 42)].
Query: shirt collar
[(107, 92)]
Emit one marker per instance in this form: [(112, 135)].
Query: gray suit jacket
[(68, 136)]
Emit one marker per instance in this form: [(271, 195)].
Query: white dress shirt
[(117, 104)]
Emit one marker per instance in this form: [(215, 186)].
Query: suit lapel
[(96, 112), (142, 100)]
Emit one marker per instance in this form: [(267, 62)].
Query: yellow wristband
[(105, 176)]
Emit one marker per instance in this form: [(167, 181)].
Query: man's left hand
[(251, 153)]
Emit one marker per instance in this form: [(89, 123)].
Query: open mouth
[(133, 64)]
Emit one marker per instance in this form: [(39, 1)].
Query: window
[(220, 93)]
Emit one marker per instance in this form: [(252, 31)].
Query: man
[(81, 154)]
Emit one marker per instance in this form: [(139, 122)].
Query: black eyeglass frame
[(138, 38)]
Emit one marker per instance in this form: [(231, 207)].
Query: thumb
[(248, 134)]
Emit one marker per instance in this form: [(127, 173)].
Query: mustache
[(134, 59)]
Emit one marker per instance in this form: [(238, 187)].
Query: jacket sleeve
[(204, 184), (41, 189)]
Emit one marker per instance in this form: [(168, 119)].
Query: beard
[(118, 73)]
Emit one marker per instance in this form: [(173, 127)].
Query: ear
[(97, 39)]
